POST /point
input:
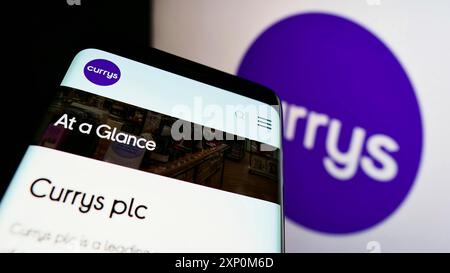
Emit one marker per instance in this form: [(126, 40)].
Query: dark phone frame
[(192, 70)]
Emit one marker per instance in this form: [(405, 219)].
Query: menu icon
[(265, 123)]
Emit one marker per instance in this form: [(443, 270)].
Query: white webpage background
[(181, 216)]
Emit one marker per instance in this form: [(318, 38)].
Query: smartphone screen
[(133, 158)]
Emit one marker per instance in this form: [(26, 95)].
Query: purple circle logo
[(102, 72), (352, 125)]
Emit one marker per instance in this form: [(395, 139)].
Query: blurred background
[(243, 36), (365, 90)]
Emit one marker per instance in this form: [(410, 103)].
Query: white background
[(218, 33), (181, 216)]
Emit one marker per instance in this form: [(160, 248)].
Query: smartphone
[(149, 152)]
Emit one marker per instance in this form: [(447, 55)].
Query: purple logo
[(102, 72), (352, 125)]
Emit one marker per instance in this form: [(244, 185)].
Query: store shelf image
[(263, 163), (232, 164)]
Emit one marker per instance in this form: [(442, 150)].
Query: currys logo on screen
[(102, 72), (352, 125)]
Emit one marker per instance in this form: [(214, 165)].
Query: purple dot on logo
[(352, 125), (102, 72)]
